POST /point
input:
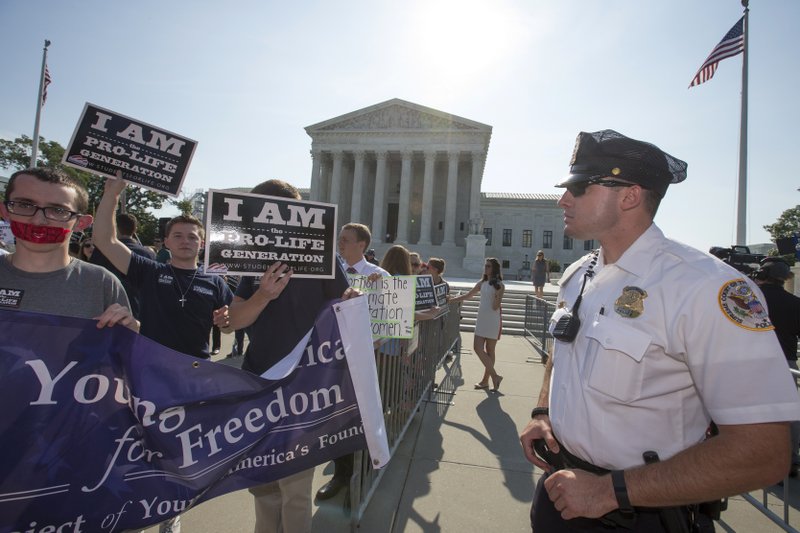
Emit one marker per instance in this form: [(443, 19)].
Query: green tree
[(16, 155), (184, 206), (787, 224)]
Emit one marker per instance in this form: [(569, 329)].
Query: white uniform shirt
[(670, 339), (365, 268)]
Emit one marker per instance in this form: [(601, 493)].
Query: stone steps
[(513, 311)]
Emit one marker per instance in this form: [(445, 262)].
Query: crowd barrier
[(537, 318), (406, 374)]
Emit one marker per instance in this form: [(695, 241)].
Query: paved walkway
[(459, 468)]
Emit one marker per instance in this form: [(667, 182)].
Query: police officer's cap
[(608, 154)]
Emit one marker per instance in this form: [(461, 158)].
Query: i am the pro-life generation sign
[(246, 233), (105, 142)]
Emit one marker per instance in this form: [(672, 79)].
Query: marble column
[(378, 231), (336, 177), (404, 210), (325, 179), (316, 182), (427, 198), (451, 198), (358, 186), (475, 191)]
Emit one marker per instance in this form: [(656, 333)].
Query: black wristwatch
[(621, 492), (540, 411)]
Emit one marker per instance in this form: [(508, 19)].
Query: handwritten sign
[(425, 296), (391, 304), (246, 233), (105, 142)]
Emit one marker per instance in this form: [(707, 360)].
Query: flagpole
[(741, 216), (35, 147)]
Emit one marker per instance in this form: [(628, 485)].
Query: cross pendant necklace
[(182, 299)]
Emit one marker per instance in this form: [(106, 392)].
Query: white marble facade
[(407, 171), (413, 175)]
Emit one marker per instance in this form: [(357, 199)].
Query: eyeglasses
[(88, 245), (27, 209), (579, 189)]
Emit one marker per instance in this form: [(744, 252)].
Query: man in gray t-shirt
[(44, 207)]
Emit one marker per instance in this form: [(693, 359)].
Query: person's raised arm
[(472, 292), (104, 232), (243, 313)]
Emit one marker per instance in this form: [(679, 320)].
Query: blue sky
[(244, 78)]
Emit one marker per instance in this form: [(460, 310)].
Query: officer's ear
[(632, 197)]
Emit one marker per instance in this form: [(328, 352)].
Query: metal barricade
[(406, 373), (763, 505), (537, 317)]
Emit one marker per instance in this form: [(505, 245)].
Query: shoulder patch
[(738, 302)]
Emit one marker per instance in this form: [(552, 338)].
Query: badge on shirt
[(631, 303), (741, 306), (11, 298)]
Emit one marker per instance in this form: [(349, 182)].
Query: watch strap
[(540, 411), (621, 491)]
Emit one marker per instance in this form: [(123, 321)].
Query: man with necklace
[(179, 304)]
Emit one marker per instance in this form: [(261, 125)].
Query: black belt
[(566, 460), (672, 518)]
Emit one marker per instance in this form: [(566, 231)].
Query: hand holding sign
[(274, 280)]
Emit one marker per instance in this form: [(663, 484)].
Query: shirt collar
[(358, 266), (639, 255)]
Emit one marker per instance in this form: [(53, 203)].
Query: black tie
[(351, 270)]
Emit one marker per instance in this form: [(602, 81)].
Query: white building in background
[(413, 175)]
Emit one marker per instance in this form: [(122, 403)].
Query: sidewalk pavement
[(459, 467)]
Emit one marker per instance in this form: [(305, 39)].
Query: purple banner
[(106, 430)]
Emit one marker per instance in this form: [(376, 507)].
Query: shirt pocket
[(617, 368)]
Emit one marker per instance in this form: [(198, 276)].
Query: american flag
[(730, 45), (47, 81)]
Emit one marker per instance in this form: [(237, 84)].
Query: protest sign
[(246, 233), (106, 430), (105, 142), (391, 304), (425, 297), (441, 291), (6, 235)]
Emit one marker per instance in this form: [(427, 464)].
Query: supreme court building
[(413, 175)]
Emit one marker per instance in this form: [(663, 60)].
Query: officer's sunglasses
[(579, 189)]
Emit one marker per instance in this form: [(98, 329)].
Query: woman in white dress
[(489, 322)]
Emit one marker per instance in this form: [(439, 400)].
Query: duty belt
[(566, 460), (672, 518)]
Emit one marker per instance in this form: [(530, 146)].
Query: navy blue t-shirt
[(133, 293), (182, 328), (286, 319)]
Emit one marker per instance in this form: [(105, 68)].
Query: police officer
[(654, 340), (784, 313)]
